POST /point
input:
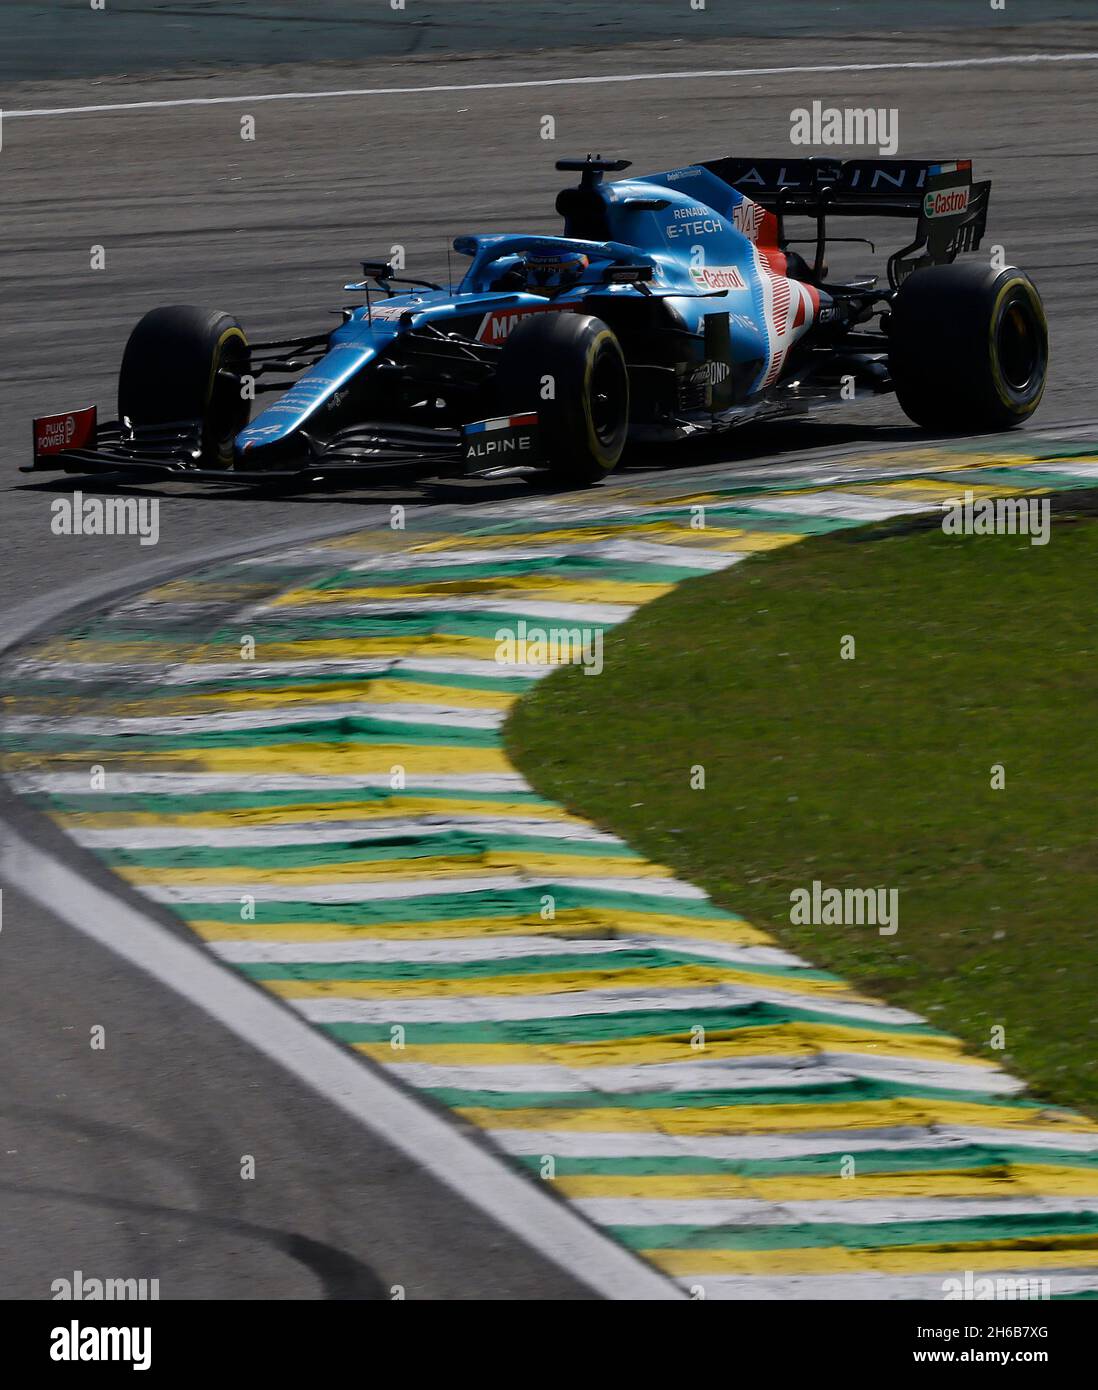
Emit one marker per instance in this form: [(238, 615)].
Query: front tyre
[(570, 368), (184, 364), (968, 347)]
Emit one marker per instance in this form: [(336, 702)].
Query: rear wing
[(950, 210)]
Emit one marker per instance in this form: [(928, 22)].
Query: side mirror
[(628, 274)]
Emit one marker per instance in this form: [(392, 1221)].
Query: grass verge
[(970, 652)]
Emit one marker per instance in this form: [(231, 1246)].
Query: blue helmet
[(553, 270)]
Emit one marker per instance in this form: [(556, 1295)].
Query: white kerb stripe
[(503, 1008), (629, 1211), (273, 718), (735, 1147), (879, 1287), (384, 889), (779, 1073), (312, 785), (454, 949), (337, 832), (508, 603)]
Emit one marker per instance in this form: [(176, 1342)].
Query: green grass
[(874, 771)]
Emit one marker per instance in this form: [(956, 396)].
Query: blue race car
[(672, 305)]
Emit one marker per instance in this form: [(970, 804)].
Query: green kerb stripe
[(826, 1093), (944, 1235), (668, 1025), (639, 959), (990, 1161), (454, 844)]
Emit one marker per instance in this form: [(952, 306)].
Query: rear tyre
[(578, 361), (968, 347), (184, 364)]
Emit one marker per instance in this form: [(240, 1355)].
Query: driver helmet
[(553, 270)]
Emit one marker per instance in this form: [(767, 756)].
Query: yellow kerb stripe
[(468, 866), (783, 1040), (319, 650), (654, 977), (394, 807), (674, 532), (369, 691), (1020, 1180), (798, 1115), (1072, 1252), (290, 759), (581, 923), (539, 588)]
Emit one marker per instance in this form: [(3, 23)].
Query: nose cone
[(274, 449), (274, 434)]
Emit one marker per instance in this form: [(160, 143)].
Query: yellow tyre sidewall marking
[(993, 353), (597, 450)]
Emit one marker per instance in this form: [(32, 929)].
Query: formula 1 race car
[(673, 305)]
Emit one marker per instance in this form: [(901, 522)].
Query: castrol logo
[(718, 277), (946, 202)]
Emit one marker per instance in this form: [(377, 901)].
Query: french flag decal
[(502, 422)]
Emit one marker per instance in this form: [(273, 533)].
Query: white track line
[(433, 1143), (998, 60)]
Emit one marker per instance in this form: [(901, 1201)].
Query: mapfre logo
[(947, 202), (718, 277), (496, 326)]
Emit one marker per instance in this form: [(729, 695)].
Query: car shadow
[(764, 440)]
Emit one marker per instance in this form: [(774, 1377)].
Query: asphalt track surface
[(127, 1162), (65, 38)]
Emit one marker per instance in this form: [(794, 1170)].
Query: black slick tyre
[(968, 347), (569, 367), (184, 364)]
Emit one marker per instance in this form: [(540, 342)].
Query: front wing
[(75, 443)]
